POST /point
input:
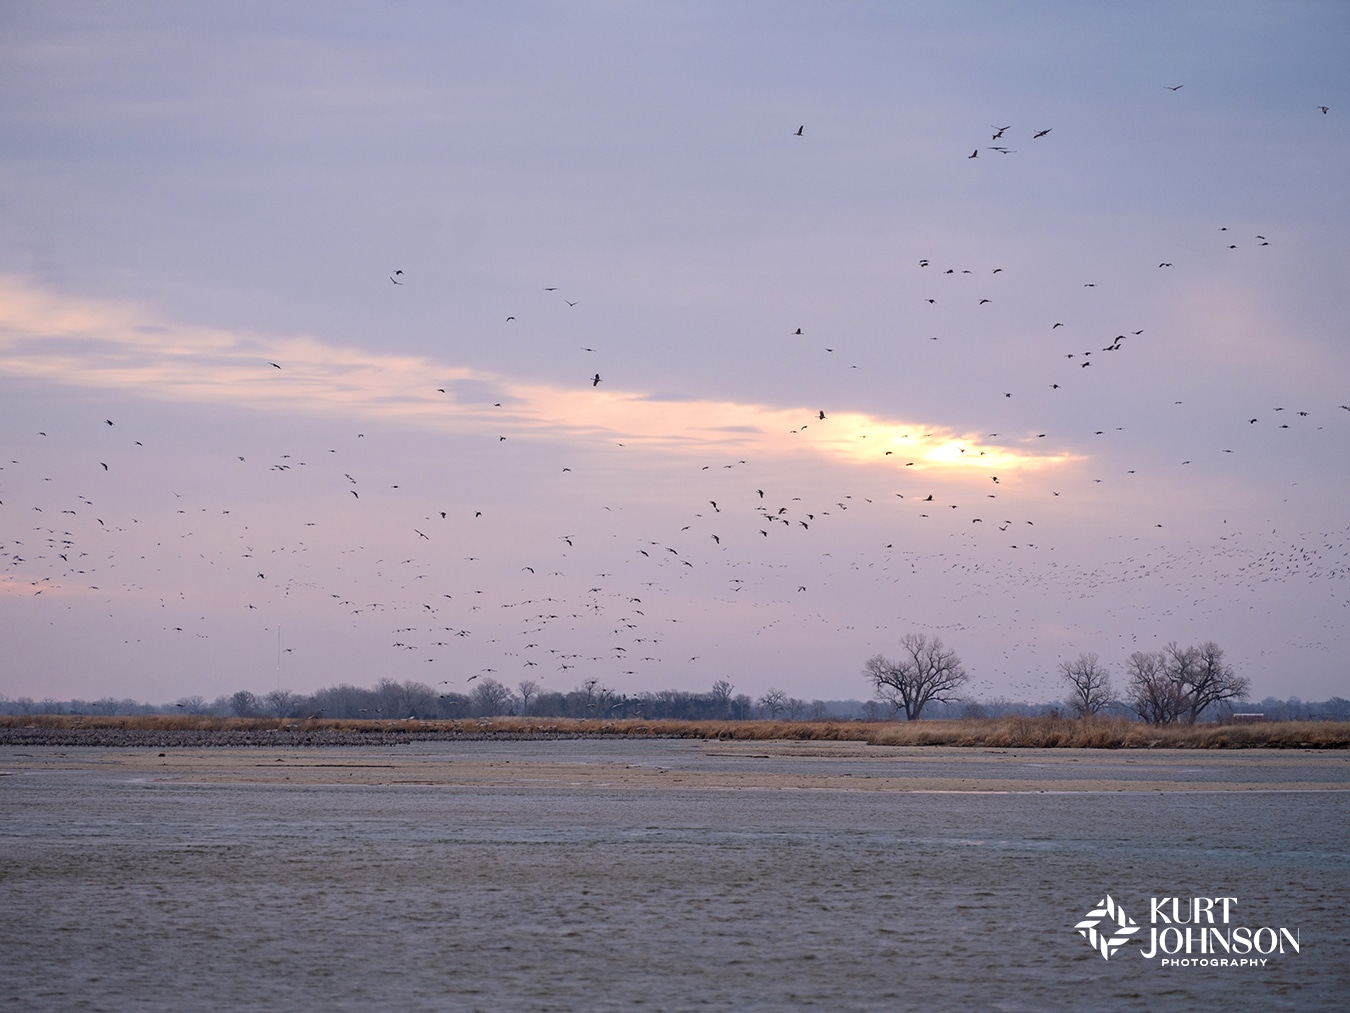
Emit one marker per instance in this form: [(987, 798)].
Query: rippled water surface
[(126, 892)]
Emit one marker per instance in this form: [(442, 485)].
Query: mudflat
[(656, 765), (669, 874)]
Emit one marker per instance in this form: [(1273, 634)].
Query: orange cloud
[(104, 344)]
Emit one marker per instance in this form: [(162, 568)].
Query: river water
[(124, 888)]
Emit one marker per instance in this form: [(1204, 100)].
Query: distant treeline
[(389, 699)]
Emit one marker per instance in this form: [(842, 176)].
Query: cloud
[(104, 344)]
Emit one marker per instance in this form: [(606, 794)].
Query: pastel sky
[(667, 343)]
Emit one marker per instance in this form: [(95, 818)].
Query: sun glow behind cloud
[(103, 344)]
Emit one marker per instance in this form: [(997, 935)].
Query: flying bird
[(595, 380), (799, 130), (1042, 133)]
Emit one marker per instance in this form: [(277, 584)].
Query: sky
[(668, 343)]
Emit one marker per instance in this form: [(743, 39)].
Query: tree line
[(390, 699), (1173, 685)]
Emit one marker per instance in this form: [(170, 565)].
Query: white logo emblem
[(1114, 934)]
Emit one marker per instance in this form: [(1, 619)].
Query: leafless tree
[(1089, 684), (1153, 693), (1178, 683), (774, 702), (527, 688), (244, 704), (590, 699), (875, 710), (926, 670), (281, 702), (721, 697), (193, 705), (491, 698), (408, 699), (1205, 679)]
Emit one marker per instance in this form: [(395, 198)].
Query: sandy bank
[(809, 766)]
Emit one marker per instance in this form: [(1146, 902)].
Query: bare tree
[(1206, 679), (875, 710), (590, 699), (527, 688), (193, 705), (721, 697), (281, 702), (1153, 693), (245, 704), (774, 702), (1178, 683), (927, 670), (1089, 684), (1338, 708), (491, 698)]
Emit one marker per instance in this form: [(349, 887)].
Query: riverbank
[(171, 730)]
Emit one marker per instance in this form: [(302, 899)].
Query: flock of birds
[(597, 600)]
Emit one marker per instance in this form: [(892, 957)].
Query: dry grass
[(1007, 732)]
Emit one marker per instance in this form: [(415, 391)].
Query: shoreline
[(653, 765), (175, 731)]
